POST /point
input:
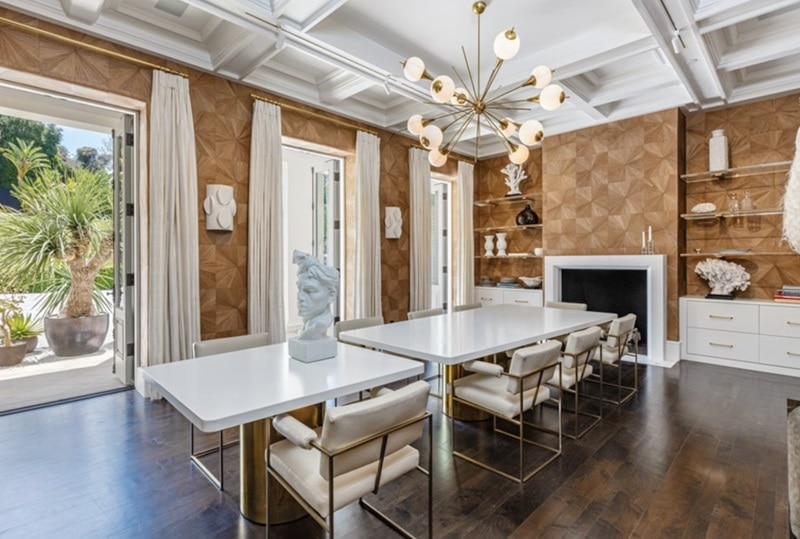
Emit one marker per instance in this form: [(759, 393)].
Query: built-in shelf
[(506, 228), (506, 200), (708, 216), (515, 257), (738, 172), (735, 255)]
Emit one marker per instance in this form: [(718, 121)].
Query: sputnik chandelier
[(473, 103)]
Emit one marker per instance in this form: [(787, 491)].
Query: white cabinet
[(750, 334), (487, 295)]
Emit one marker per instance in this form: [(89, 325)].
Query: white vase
[(488, 245), (501, 244), (717, 151)]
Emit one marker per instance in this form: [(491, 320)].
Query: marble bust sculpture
[(317, 286)]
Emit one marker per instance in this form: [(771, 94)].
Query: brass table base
[(456, 410)]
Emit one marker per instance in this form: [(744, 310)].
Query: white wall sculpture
[(394, 222), (220, 207)]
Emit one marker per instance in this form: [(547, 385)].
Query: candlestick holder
[(650, 248), (644, 250)]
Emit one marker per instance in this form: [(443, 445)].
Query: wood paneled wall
[(757, 133)]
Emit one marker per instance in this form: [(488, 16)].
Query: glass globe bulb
[(436, 157), (519, 155), (506, 44), (431, 136), (442, 89), (413, 68), (459, 97), (552, 97), (531, 132), (414, 124), (543, 76), (508, 127)]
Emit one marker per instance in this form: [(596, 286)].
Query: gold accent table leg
[(253, 473), (457, 410)]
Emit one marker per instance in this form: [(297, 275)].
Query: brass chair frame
[(623, 341), (520, 422), (575, 391), (327, 523)]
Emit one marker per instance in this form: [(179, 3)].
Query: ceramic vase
[(501, 244), (717, 151), (488, 245), (527, 216)]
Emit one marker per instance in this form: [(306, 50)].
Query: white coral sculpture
[(723, 277), (791, 201), (514, 176)]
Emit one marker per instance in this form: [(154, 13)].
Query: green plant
[(64, 228), (8, 309), (23, 326)]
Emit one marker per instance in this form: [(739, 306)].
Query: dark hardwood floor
[(701, 452)]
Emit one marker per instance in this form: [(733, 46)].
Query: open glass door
[(326, 239), (124, 250), (440, 245)]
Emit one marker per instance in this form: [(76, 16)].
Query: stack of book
[(788, 294)]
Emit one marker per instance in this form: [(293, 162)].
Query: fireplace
[(620, 284)]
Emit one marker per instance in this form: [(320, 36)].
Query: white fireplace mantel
[(656, 267)]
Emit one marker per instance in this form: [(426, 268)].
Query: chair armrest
[(484, 367), (294, 431), (376, 392)]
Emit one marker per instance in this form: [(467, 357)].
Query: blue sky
[(73, 139)]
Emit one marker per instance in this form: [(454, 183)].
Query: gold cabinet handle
[(520, 301), (792, 323), (720, 344), (795, 354), (720, 317)]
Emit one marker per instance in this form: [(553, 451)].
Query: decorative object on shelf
[(501, 244), (538, 251), (514, 176), (531, 282), (486, 281), (317, 287), (393, 220), (723, 277), (733, 202), (791, 201), (527, 216), (704, 207), (718, 151), (488, 245), (220, 207), (479, 106), (746, 203)]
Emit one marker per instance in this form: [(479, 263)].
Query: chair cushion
[(345, 425), (569, 377), (300, 468), (579, 342), (230, 344), (491, 393), (530, 359), (620, 326)]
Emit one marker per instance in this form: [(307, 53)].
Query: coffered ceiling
[(615, 58)]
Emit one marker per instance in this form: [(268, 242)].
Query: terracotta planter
[(12, 355), (69, 337)]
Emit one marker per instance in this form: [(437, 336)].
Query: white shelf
[(506, 200), (738, 172), (508, 228)]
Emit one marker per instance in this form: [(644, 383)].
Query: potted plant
[(11, 352), (25, 328), (63, 229)]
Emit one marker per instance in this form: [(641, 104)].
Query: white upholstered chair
[(508, 395), (208, 348), (466, 307), (413, 315), (357, 323), (359, 448), (581, 347), (566, 305), (621, 333)]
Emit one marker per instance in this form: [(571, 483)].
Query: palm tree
[(65, 221)]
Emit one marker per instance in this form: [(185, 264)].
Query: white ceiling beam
[(321, 14), (341, 85), (712, 16), (650, 83), (279, 7), (83, 10), (748, 56), (618, 54)]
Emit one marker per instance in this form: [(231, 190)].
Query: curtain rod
[(450, 156), (93, 48), (314, 114)]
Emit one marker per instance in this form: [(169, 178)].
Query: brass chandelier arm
[(463, 84), (469, 71), (492, 76), (499, 134), (520, 86), (457, 135)]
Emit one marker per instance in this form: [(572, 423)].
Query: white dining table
[(457, 337), (246, 387)]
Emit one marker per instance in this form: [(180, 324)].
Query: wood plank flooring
[(701, 452)]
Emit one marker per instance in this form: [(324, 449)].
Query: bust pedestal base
[(309, 351)]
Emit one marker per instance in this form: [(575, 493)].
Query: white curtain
[(174, 282), (419, 175), (368, 227), (465, 280), (265, 251)]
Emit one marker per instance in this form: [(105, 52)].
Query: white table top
[(225, 390), (457, 337)]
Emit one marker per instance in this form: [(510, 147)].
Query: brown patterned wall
[(490, 184), (757, 133), (222, 112), (604, 185)]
